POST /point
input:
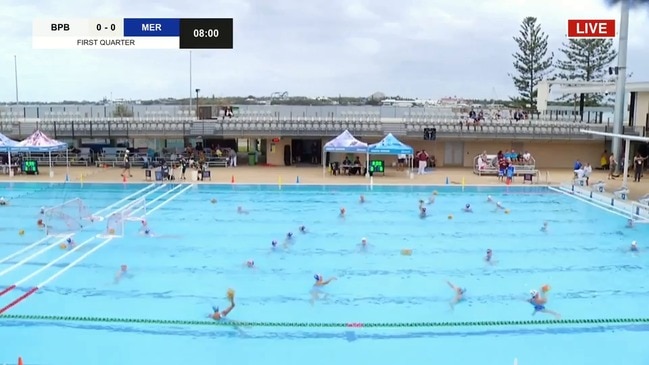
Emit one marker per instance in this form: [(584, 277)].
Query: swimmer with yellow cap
[(218, 315)]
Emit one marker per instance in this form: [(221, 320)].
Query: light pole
[(197, 91), (620, 92), (190, 82)]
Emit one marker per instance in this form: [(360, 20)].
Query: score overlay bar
[(132, 33)]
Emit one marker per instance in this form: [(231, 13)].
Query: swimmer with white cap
[(42, 211), (363, 244), (250, 264), (490, 199), (499, 205), (634, 247), (539, 300), (3, 201)]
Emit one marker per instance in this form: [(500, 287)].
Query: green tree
[(586, 60), (531, 62), (122, 111)]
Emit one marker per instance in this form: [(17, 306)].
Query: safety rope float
[(180, 322)]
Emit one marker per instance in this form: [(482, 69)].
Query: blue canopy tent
[(40, 142), (7, 145), (390, 145), (344, 143)]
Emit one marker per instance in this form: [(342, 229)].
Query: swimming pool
[(199, 250)]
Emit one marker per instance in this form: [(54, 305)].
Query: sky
[(425, 49)]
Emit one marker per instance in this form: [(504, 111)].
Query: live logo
[(591, 28)]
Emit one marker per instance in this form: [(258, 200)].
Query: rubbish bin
[(252, 158)]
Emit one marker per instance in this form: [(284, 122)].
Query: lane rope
[(180, 322)]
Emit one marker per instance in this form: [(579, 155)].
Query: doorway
[(454, 153), (306, 151)]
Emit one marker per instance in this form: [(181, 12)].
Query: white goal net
[(133, 212), (65, 218)]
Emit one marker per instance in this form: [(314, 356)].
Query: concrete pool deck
[(313, 175)]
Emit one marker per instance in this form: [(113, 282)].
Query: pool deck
[(313, 175)]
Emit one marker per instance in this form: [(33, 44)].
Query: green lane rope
[(172, 322)]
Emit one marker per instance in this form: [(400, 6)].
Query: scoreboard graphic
[(133, 33)]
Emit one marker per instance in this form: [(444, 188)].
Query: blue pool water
[(199, 250)]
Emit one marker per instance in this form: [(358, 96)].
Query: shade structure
[(343, 143), (6, 143), (40, 142), (390, 145)]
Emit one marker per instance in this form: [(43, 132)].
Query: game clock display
[(377, 166), (30, 167), (206, 33)]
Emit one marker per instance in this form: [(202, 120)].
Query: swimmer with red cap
[(40, 224), (144, 228), (123, 271), (250, 264)]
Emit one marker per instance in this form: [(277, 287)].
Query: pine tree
[(531, 62), (586, 60)]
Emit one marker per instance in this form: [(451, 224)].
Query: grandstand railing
[(492, 167), (315, 126)]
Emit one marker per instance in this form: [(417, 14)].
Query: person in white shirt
[(422, 157), (527, 156), (401, 161), (588, 170)]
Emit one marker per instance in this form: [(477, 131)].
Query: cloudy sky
[(414, 48)]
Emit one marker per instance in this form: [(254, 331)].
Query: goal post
[(132, 212), (67, 217)]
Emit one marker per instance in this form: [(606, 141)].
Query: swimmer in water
[(421, 204), (488, 256), (42, 211), (539, 300), (273, 245), (630, 223), (363, 244), (431, 199), (634, 247), (40, 224), (144, 228), (361, 199), (240, 210), (123, 271), (3, 201), (490, 199), (218, 315), (342, 212), (250, 264), (302, 229), (499, 205), (459, 294), (70, 243), (320, 281), (467, 208), (422, 212), (544, 227)]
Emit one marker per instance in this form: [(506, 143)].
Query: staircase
[(397, 128), (202, 128)]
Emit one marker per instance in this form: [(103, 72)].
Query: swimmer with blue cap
[(422, 212), (144, 228), (467, 208), (544, 227), (320, 281), (459, 294), (539, 300), (218, 315), (630, 223), (274, 244), (70, 243), (302, 229)]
